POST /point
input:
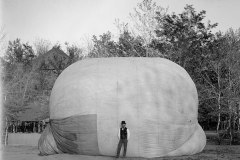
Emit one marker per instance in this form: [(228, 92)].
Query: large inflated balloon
[(156, 97)]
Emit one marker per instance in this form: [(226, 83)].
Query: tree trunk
[(6, 133), (34, 129), (230, 130), (219, 114), (230, 105), (24, 127), (238, 118), (39, 127), (219, 99)]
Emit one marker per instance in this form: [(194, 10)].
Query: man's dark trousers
[(120, 143)]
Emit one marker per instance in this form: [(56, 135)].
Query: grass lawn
[(210, 152)]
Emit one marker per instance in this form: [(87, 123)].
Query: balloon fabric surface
[(156, 97)]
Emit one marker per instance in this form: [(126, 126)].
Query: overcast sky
[(70, 20)]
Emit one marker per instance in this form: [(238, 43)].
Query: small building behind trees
[(54, 60)]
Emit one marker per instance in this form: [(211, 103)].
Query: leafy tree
[(18, 90), (185, 36), (20, 78), (103, 47), (129, 46), (211, 82), (220, 87), (19, 53), (74, 52), (126, 46), (232, 91)]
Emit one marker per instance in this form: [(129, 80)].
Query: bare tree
[(87, 45), (42, 46), (144, 20), (233, 79), (2, 40)]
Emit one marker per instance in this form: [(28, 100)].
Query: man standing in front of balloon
[(123, 136)]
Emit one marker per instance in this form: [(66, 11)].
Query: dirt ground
[(210, 152)]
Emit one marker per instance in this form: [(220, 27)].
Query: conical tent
[(156, 97)]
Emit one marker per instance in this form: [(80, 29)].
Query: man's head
[(123, 123)]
